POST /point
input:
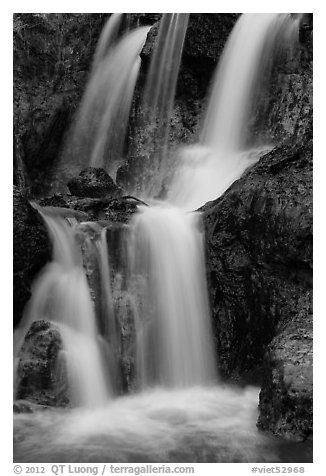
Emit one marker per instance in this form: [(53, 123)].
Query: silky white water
[(207, 169), (167, 278), (61, 295), (107, 39), (196, 424), (174, 336), (158, 97), (180, 412), (98, 133)]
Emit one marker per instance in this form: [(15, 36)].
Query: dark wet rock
[(19, 169), (94, 208), (41, 373), (259, 255), (26, 406), (259, 238), (129, 175), (94, 182), (32, 250), (125, 320), (121, 210), (104, 210), (56, 200), (286, 397)]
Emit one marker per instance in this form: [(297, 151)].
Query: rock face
[(259, 254), (286, 397), (108, 211), (41, 376), (31, 250), (285, 107), (52, 55), (94, 183), (126, 328)]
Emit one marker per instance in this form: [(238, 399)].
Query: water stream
[(179, 411), (208, 168), (167, 277), (159, 93), (61, 295), (98, 133)]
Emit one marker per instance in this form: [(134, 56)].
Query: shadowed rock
[(94, 183), (259, 254), (286, 396), (32, 250), (41, 372)]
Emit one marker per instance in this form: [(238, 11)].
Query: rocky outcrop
[(259, 237), (286, 397), (259, 254), (284, 108), (41, 374), (94, 183), (31, 250), (105, 210)]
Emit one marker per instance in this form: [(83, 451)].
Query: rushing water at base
[(198, 424)]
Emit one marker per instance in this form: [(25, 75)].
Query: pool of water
[(196, 425)]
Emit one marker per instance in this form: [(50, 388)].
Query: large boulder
[(31, 250), (94, 182), (285, 104), (41, 374)]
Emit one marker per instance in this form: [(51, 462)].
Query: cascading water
[(107, 39), (208, 168), (99, 131), (174, 338), (158, 97), (167, 273), (61, 295), (180, 411)]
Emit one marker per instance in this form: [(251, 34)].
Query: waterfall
[(246, 57), (158, 97), (98, 133), (61, 295), (179, 410), (110, 332), (174, 339), (107, 39), (167, 275), (207, 169)]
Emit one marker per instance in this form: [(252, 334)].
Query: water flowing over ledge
[(179, 410)]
